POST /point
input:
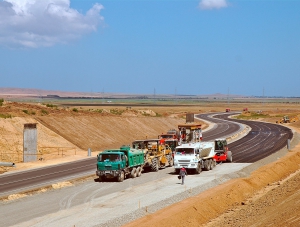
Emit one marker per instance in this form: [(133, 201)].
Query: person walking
[(182, 173)]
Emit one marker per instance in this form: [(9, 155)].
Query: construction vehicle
[(284, 119), (120, 163), (287, 119), (171, 138), (193, 154), (157, 154), (222, 153)]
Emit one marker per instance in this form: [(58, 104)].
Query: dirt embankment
[(66, 134)]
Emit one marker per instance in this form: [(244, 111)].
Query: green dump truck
[(120, 163)]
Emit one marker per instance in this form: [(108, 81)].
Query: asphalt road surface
[(263, 140)]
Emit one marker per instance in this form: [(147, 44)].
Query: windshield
[(184, 150), (166, 136), (172, 144), (109, 158)]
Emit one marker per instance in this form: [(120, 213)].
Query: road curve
[(263, 139)]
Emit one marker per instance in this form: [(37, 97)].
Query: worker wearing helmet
[(182, 173)]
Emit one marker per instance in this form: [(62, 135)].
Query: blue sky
[(162, 46)]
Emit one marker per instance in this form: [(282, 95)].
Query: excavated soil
[(270, 196)]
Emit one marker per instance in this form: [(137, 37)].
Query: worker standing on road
[(182, 173)]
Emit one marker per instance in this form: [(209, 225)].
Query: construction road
[(83, 204)]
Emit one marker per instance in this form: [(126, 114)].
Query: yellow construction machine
[(287, 119)]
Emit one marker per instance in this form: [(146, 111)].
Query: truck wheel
[(133, 173), (213, 163), (138, 171), (141, 171), (210, 164), (229, 156), (154, 165), (121, 177), (206, 167), (170, 160), (198, 170), (102, 178)]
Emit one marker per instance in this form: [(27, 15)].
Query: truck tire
[(138, 171), (121, 177), (229, 156), (206, 165), (170, 160), (154, 165), (133, 173), (213, 164), (198, 170), (101, 179), (210, 164)]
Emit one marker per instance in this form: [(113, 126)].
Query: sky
[(178, 47)]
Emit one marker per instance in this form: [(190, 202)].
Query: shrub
[(75, 109), (99, 110), (157, 115), (51, 105), (5, 116), (116, 111), (1, 102), (29, 112), (44, 112)]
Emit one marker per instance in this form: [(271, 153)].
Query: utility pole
[(228, 96), (102, 95), (263, 101)]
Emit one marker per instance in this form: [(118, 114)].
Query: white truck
[(193, 154)]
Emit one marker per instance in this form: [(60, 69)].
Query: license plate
[(107, 171)]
